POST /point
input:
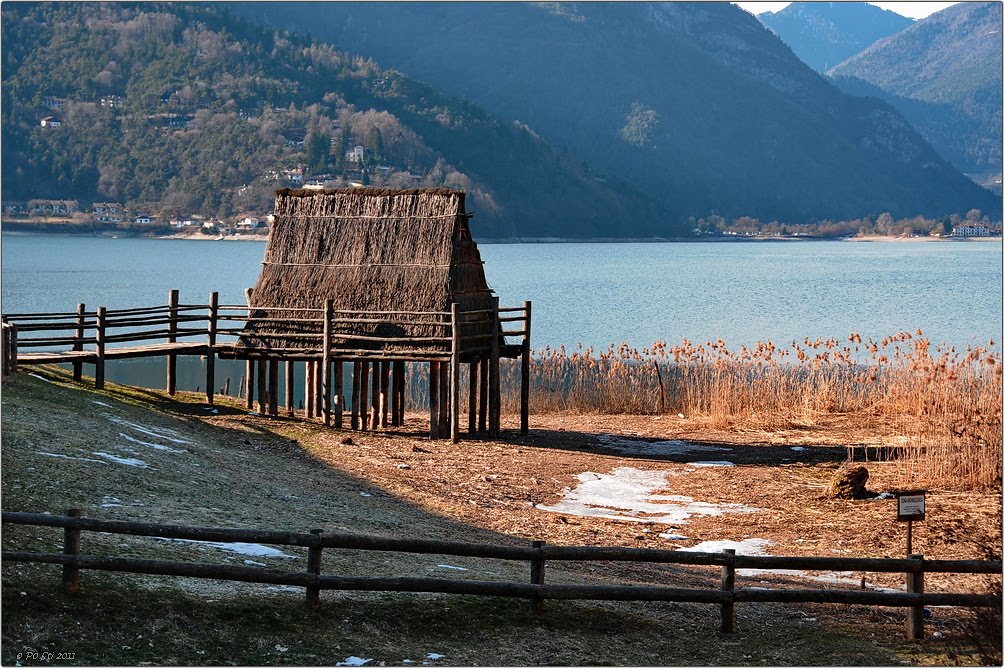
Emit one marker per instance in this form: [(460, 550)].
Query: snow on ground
[(155, 446), (110, 502), (647, 448), (79, 459), (127, 461), (631, 494), (432, 656), (711, 463), (672, 536), (353, 661), (452, 568), (163, 433), (247, 549), (797, 448)]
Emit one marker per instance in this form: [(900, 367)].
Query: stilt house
[(380, 276)]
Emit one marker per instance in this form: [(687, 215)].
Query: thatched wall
[(369, 250)]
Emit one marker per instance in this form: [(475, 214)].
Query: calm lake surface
[(592, 293)]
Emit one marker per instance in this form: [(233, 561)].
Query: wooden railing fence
[(537, 554), (322, 338)]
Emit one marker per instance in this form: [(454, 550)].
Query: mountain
[(697, 103), (824, 34), (180, 109), (944, 75)]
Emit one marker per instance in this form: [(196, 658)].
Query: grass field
[(136, 454)]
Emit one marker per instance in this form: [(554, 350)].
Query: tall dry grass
[(945, 403)]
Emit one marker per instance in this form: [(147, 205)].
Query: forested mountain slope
[(944, 74), (180, 109), (697, 103)]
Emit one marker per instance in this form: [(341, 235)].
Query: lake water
[(592, 293)]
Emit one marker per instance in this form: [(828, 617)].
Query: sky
[(915, 10)]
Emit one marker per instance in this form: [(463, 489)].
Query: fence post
[(537, 577), (455, 373), (9, 348), (729, 585), (214, 309), (524, 386), (99, 344), (172, 328), (915, 614), (494, 382), (314, 568), (78, 344), (71, 545)]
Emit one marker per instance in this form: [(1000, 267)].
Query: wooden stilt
[(318, 394), (375, 398), (308, 388), (364, 394), (339, 389), (262, 387), (273, 387), (433, 400), (249, 385), (326, 363), (472, 397), (395, 395), (401, 370), (444, 400), (290, 405), (172, 328), (483, 395), (354, 419), (494, 385), (455, 374), (384, 393)]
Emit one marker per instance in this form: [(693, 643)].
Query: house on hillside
[(53, 102), (50, 122), (356, 154), (107, 212), (111, 101), (52, 207), (142, 220), (248, 223), (969, 229)]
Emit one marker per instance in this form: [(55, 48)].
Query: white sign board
[(910, 506)]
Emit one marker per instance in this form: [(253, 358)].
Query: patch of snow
[(885, 495), (353, 661), (797, 448), (252, 562), (452, 568), (281, 648), (127, 461), (79, 459), (163, 433), (672, 536), (432, 656), (155, 446), (672, 447), (284, 588), (365, 494), (110, 502), (100, 403), (247, 549), (712, 463), (40, 377), (749, 546), (630, 494)]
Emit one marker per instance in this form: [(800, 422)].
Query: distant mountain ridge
[(944, 74), (697, 103), (824, 34)]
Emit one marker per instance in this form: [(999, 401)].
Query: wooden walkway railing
[(323, 339), (537, 554)]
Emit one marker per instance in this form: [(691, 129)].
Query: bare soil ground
[(225, 467)]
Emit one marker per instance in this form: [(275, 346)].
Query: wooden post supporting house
[(354, 417), (454, 373), (395, 394), (338, 400), (483, 395), (472, 397), (290, 405), (308, 388), (214, 310), (494, 381), (375, 397), (262, 387), (273, 386), (318, 390), (172, 329), (384, 393), (444, 399), (433, 400), (249, 384), (364, 386), (326, 363)]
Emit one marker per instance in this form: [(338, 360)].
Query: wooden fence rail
[(536, 553)]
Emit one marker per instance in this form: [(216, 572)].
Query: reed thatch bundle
[(368, 250)]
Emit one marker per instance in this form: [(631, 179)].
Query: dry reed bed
[(944, 403)]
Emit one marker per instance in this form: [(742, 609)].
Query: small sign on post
[(910, 508)]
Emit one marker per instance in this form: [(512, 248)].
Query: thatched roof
[(370, 250)]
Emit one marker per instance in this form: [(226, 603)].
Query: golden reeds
[(945, 403)]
